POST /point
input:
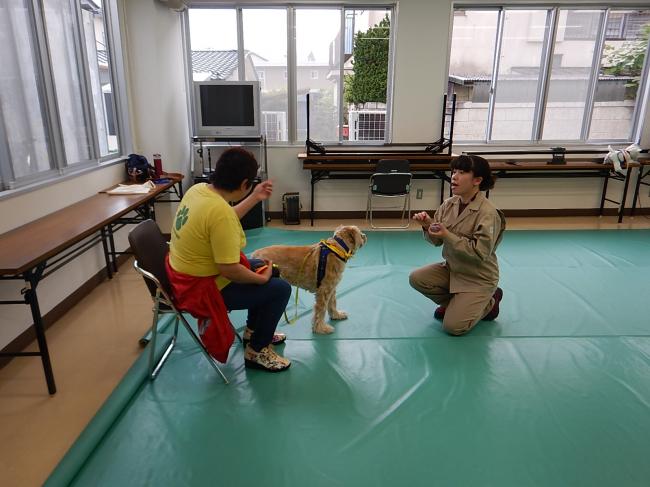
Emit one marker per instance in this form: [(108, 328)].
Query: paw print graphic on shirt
[(181, 217)]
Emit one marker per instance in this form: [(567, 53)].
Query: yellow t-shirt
[(205, 232)]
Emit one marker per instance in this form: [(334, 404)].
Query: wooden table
[(436, 166), (360, 166), (35, 250)]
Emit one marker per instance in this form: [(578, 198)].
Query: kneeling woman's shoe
[(265, 359)]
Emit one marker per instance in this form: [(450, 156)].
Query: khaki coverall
[(466, 281)]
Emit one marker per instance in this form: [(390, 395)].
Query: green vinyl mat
[(555, 392)]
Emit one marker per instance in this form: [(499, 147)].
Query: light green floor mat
[(555, 392)]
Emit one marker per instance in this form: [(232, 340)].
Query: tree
[(370, 61), (628, 59)]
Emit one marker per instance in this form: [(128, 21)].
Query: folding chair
[(392, 179), (150, 248)]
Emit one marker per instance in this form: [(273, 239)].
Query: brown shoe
[(265, 359)]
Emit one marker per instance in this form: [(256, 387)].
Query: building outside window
[(524, 80)]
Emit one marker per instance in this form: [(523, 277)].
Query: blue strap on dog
[(327, 248)]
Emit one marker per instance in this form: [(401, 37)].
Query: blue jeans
[(265, 304)]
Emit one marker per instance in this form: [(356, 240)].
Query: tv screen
[(227, 106)]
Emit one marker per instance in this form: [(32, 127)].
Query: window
[(99, 69), (265, 50), (213, 41), (548, 74), (316, 32), (365, 89), (57, 89), (320, 55), (24, 134), (519, 70)]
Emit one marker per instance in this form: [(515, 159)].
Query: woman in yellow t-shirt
[(207, 238)]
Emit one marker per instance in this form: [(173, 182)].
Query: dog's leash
[(295, 316)]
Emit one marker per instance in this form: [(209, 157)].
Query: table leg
[(621, 208), (111, 242), (107, 258), (639, 177), (602, 197), (311, 207), (31, 281)]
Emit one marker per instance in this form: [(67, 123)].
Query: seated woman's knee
[(280, 287)]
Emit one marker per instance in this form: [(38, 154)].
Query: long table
[(359, 166), (34, 251)]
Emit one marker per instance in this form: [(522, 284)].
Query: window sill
[(73, 173)]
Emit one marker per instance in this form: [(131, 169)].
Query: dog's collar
[(342, 253), (326, 248)]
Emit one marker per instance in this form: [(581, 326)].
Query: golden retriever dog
[(299, 266)]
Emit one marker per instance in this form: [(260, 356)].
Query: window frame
[(291, 68), (59, 167), (549, 44)]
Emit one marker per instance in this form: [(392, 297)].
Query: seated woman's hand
[(263, 190), (266, 272)]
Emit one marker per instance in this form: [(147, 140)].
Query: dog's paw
[(323, 329), (339, 315)]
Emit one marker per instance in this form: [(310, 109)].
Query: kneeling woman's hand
[(423, 219), (437, 230)]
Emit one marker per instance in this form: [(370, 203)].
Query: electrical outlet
[(418, 194)]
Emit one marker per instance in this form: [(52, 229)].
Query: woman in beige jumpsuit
[(469, 228)]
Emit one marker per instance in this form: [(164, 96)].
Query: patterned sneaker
[(439, 313), (265, 359), (278, 338), (494, 312)]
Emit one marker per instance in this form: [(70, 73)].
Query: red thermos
[(157, 163)]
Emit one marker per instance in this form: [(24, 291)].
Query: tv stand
[(206, 150)]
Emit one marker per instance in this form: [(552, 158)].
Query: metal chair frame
[(406, 194), (150, 249), (162, 297)]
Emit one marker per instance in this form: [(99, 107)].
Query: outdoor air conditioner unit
[(177, 5)]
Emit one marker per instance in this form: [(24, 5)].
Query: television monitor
[(227, 108)]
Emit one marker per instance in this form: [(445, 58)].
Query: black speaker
[(291, 208), (255, 217)]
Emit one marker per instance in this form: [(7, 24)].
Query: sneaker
[(278, 338), (265, 359), (439, 313), (494, 312)]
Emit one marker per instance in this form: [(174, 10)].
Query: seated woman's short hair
[(234, 167)]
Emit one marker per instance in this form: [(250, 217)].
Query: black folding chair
[(150, 248), (392, 179)]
